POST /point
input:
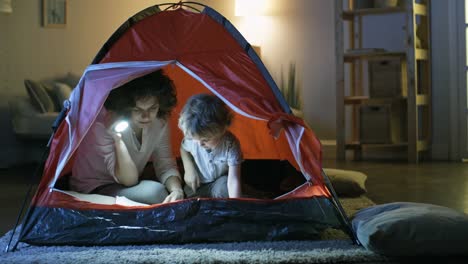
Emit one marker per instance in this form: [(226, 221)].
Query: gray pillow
[(71, 79), (412, 229), (62, 92), (347, 183), (40, 99)]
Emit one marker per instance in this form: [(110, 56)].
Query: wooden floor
[(440, 183)]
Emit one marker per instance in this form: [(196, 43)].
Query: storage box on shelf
[(385, 79), (383, 124), (363, 4)]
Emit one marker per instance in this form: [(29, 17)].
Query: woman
[(111, 163)]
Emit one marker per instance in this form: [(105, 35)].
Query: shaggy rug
[(334, 247)]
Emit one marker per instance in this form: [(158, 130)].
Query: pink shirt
[(95, 157)]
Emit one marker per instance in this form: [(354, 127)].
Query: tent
[(202, 52)]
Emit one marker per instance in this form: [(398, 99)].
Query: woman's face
[(144, 112)]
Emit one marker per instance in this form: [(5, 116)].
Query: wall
[(28, 50), (300, 31), (294, 30), (303, 31), (442, 83)]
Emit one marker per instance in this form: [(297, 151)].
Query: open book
[(122, 200)]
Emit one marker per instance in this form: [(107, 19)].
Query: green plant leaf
[(289, 88)]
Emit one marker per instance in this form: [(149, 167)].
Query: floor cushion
[(412, 229), (347, 183)]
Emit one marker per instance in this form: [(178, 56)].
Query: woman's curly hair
[(122, 99)]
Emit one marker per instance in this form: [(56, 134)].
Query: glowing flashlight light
[(121, 126)]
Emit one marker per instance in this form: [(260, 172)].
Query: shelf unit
[(415, 78)]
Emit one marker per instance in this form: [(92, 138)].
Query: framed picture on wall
[(54, 13)]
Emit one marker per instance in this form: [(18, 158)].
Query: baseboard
[(329, 153), (328, 149)]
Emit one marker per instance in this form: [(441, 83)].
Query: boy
[(210, 153)]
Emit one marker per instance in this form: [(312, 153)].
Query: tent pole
[(37, 172), (28, 193), (339, 209)]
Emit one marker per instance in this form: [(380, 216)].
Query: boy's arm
[(174, 186), (190, 176), (234, 181)]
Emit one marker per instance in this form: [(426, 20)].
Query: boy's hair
[(123, 98), (204, 115)]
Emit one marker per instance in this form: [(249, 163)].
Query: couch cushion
[(347, 183), (28, 122), (40, 99), (412, 229), (71, 79)]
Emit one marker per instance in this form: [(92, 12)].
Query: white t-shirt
[(214, 164), (95, 157)]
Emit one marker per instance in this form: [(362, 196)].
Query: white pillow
[(62, 92)]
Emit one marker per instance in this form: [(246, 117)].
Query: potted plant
[(290, 90)]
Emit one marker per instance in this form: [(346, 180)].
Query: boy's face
[(207, 142), (144, 112)]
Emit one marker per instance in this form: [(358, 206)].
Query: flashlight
[(121, 126)]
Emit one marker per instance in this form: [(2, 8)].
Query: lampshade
[(251, 7), (5, 6)]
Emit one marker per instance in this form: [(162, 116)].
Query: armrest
[(28, 122)]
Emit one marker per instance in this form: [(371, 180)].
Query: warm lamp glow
[(251, 7), (5, 6), (255, 29)]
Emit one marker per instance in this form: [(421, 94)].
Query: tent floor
[(387, 182)]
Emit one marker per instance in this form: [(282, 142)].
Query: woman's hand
[(125, 170), (174, 196)]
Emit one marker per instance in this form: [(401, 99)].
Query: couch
[(32, 116)]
